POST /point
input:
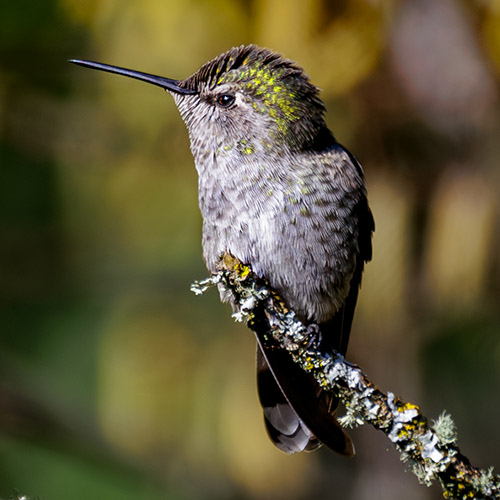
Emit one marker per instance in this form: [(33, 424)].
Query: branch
[(431, 450)]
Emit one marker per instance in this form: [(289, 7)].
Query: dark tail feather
[(284, 427), (298, 415)]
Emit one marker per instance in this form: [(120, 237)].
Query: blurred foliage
[(116, 382)]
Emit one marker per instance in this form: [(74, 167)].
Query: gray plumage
[(278, 192), (278, 201)]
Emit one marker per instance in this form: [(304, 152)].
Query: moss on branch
[(430, 450)]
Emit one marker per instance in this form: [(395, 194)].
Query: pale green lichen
[(445, 429), (484, 481)]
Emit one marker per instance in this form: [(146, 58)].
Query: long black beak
[(160, 81)]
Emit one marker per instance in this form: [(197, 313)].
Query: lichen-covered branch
[(431, 450)]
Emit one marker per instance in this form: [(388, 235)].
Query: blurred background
[(116, 381)]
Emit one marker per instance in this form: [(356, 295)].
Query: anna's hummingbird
[(278, 192)]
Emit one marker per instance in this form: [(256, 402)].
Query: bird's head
[(248, 98)]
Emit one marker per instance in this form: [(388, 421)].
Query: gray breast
[(297, 227)]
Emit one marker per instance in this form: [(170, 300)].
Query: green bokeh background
[(116, 382)]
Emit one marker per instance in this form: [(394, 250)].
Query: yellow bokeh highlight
[(460, 237), (491, 35), (337, 55)]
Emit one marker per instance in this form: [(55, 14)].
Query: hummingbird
[(278, 192)]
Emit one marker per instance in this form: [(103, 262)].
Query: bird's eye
[(225, 100)]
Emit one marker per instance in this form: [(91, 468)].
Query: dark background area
[(116, 381)]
